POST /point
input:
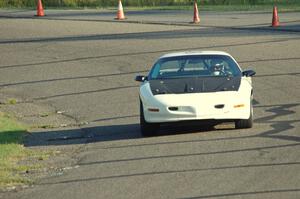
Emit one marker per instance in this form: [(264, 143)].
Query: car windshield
[(194, 66)]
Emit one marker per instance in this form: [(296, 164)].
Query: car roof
[(187, 53)]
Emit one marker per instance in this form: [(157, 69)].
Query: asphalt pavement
[(79, 68)]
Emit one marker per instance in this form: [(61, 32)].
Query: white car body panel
[(197, 106)]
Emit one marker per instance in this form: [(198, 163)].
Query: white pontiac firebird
[(199, 85)]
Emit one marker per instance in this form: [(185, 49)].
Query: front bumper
[(225, 105)]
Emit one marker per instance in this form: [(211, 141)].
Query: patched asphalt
[(72, 75)]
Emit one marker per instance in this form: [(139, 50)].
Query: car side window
[(155, 71)]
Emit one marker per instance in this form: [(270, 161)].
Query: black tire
[(209, 127), (247, 123), (147, 129)]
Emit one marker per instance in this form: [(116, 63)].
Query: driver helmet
[(217, 67)]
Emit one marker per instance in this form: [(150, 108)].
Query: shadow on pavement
[(83, 135), (132, 131), (112, 133), (104, 133)]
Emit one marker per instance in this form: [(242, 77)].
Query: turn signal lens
[(153, 109), (239, 106)]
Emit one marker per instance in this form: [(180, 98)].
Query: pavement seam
[(187, 24)]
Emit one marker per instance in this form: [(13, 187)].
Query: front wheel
[(147, 129), (247, 123)]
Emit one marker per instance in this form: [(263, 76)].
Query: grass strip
[(12, 152)]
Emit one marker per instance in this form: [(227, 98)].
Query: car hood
[(194, 85)]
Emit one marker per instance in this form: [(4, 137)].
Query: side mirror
[(248, 73), (140, 78)]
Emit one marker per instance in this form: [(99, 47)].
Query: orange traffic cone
[(196, 13), (120, 13), (40, 9), (275, 20)]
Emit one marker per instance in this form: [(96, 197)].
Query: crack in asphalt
[(171, 172), (148, 52)]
